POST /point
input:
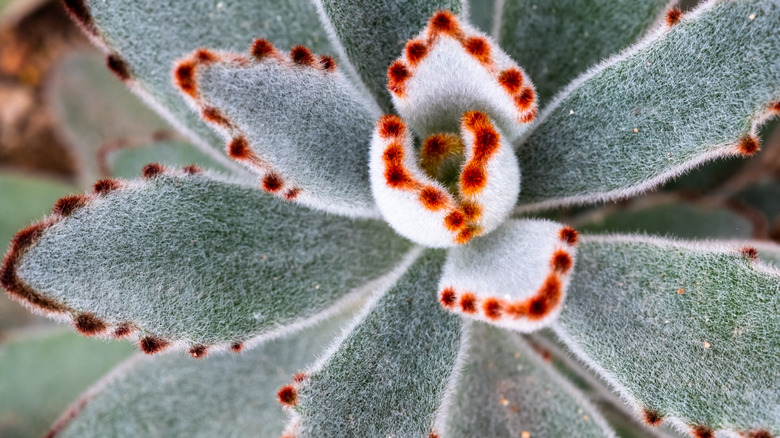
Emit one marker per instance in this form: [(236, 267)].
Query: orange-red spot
[(206, 56), (701, 431), (397, 177), (444, 22), (393, 154), (432, 198), (105, 186), (118, 66), (237, 347), (184, 76), (152, 345), (215, 116), (454, 221), (272, 183), (433, 435), (486, 143), (435, 147), (749, 252), (151, 170), (391, 126), (287, 396), (569, 235), (192, 169), (448, 297), (122, 330), (479, 48), (673, 16), (468, 303), (238, 149), (301, 56), (465, 235), (775, 107), (292, 194), (397, 75), (89, 325), (261, 49), (561, 261), (327, 63), (471, 211), (473, 179), (474, 120), (67, 205), (651, 417), (415, 51), (517, 310), (529, 116), (511, 79), (546, 298), (493, 308), (299, 377), (760, 434), (749, 145), (198, 351), (525, 98)]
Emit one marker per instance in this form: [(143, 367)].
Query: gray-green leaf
[(390, 374), (687, 94), (556, 41), (222, 396), (506, 390), (197, 259), (686, 332)]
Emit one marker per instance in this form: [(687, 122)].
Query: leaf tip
[(192, 169), (89, 325), (447, 297), (302, 56), (701, 431), (511, 79), (569, 235), (272, 183), (237, 347), (561, 261), (152, 345), (748, 145), (760, 434), (397, 75), (238, 149), (749, 253), (215, 116), (547, 298), (468, 303), (673, 16), (123, 330), (651, 417), (479, 48), (493, 308), (261, 49), (152, 170), (444, 22), (198, 351), (105, 186), (432, 198)]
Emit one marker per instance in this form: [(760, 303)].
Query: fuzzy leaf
[(389, 375), (764, 197), (482, 14), (687, 333), (370, 38), (147, 36), (42, 371), (515, 277), (196, 259), (506, 390), (556, 41), (675, 219), (175, 396), (295, 120), (653, 112)]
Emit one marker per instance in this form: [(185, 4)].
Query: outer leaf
[(295, 120), (371, 37), (196, 259), (556, 41), (686, 333), (638, 119), (41, 372), (515, 277), (174, 396), (482, 14), (147, 36), (507, 390), (389, 375), (764, 197), (677, 219)]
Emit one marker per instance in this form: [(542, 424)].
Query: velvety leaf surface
[(306, 125), (42, 371), (482, 13), (653, 112), (686, 332), (149, 35), (221, 396), (198, 259), (556, 41), (673, 219), (763, 196), (507, 390), (389, 375), (127, 161), (371, 37)]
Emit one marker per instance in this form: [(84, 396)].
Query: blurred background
[(66, 121)]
